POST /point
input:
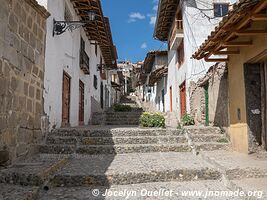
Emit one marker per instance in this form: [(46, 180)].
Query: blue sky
[(132, 24)]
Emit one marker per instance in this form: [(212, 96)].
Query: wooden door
[(183, 99), (66, 100), (163, 100), (81, 103), (264, 104), (206, 89), (171, 98)]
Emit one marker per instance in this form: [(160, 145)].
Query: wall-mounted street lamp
[(105, 66), (60, 27)]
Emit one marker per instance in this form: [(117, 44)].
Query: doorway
[(206, 90), (66, 100), (81, 103), (163, 100), (182, 99), (255, 86)]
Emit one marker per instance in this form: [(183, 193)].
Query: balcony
[(177, 35), (84, 62)]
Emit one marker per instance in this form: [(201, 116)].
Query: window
[(220, 9), (95, 82), (180, 53), (67, 14), (84, 58)]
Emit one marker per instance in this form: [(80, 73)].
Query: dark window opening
[(95, 82), (96, 49), (84, 59), (180, 53), (220, 9)]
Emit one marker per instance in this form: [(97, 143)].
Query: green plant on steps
[(179, 126), (222, 140), (122, 108), (152, 120), (187, 120)]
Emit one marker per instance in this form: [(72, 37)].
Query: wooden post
[(263, 105), (264, 135)]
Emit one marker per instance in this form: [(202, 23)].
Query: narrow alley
[(183, 116)]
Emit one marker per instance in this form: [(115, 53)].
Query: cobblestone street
[(133, 99), (98, 162)]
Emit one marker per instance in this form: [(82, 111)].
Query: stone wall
[(22, 47), (217, 81)]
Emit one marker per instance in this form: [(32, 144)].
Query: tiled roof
[(229, 28), (166, 13), (98, 30)]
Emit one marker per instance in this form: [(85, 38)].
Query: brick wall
[(22, 48)]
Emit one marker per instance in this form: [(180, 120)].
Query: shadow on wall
[(221, 117)]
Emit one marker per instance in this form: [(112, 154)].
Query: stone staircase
[(112, 157), (111, 117)]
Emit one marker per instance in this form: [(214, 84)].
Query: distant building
[(154, 86)]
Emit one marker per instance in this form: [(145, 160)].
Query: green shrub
[(187, 120), (222, 140), (152, 120), (122, 108)]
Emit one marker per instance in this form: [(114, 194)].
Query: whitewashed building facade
[(154, 86), (184, 25), (76, 81)]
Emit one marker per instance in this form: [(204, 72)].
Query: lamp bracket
[(60, 27)]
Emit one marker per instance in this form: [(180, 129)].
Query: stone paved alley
[(136, 100), (76, 163)]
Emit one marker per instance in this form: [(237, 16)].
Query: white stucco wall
[(42, 3), (196, 27), (62, 54)]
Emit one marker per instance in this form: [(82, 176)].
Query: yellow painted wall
[(238, 128)]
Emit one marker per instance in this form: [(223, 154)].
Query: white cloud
[(144, 45), (133, 17), (155, 8), (153, 20)]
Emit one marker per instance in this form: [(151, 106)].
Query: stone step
[(143, 191), (116, 140), (115, 122), (123, 117), (203, 130), (113, 149), (211, 146), (116, 132), (209, 138), (123, 169), (33, 171), (15, 192)]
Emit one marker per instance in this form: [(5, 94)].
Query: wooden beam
[(251, 32), (259, 17), (226, 52), (216, 59), (238, 44), (258, 7)]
